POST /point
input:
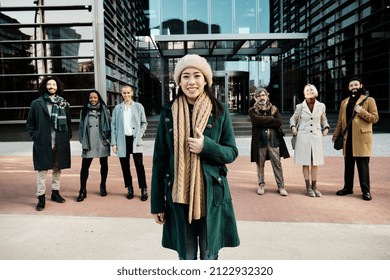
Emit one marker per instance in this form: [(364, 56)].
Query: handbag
[(338, 143), (293, 141)]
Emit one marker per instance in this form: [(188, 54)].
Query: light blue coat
[(139, 122)]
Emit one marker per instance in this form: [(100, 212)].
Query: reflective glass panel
[(221, 17), (245, 17), (68, 16), (27, 33), (197, 22), (172, 17), (21, 3)]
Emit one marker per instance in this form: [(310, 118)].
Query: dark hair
[(355, 79), (86, 102), (217, 106), (42, 85)]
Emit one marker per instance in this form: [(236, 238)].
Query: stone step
[(241, 124)]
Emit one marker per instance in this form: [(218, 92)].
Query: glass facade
[(345, 38), (88, 44), (39, 40), (94, 44), (196, 17)]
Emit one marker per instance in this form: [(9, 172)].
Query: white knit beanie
[(194, 61)]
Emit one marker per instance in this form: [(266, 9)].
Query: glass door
[(232, 88)]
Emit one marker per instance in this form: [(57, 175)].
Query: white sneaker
[(283, 192), (260, 190)]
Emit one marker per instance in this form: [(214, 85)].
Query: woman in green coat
[(190, 194)]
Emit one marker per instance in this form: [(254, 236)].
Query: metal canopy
[(268, 44)]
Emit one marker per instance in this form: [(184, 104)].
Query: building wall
[(88, 44), (345, 38)]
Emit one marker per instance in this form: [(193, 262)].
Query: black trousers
[(362, 164), (138, 162), (84, 173)]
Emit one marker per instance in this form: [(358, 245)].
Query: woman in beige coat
[(309, 124)]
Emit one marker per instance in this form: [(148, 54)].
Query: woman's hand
[(325, 131), (114, 149), (294, 130), (159, 218), (196, 144)]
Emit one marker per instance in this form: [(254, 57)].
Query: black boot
[(103, 190), (55, 196), (130, 192), (41, 202), (82, 194), (144, 194)]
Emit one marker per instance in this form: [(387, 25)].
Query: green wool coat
[(219, 149)]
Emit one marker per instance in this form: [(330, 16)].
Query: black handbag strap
[(353, 115)]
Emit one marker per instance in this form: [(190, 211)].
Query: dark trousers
[(84, 173), (362, 164), (139, 165)]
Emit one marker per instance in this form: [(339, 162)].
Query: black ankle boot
[(130, 192), (55, 196), (144, 194), (82, 195), (41, 202), (103, 190)]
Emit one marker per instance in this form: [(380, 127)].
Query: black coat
[(39, 128), (273, 122)]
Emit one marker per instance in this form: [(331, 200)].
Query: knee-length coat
[(39, 127), (309, 145), (219, 149), (138, 119), (361, 126)]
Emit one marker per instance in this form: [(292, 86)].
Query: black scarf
[(58, 112)]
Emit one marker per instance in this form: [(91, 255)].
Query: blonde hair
[(315, 91)]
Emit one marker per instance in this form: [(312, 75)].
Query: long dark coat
[(39, 127), (219, 149), (273, 122)]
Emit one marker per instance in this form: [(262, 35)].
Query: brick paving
[(271, 227), (17, 193)]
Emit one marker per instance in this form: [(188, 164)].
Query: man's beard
[(263, 105), (359, 91)]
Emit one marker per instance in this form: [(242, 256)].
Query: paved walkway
[(271, 227)]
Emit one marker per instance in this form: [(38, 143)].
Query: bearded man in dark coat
[(49, 125), (267, 140)]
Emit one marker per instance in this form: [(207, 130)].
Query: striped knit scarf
[(188, 187), (58, 113)]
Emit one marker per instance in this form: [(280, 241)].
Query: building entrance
[(232, 88)]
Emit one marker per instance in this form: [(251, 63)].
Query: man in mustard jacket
[(358, 138)]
